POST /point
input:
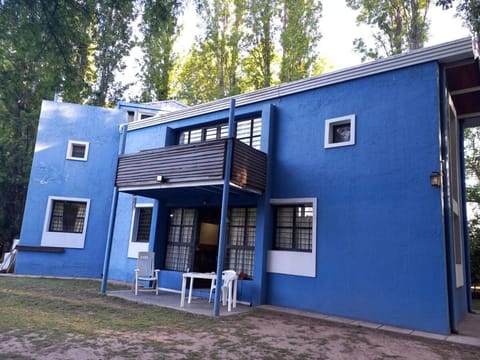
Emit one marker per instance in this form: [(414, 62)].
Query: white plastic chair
[(146, 271), (228, 276), (8, 263)]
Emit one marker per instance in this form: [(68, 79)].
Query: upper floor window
[(249, 131), (77, 150), (340, 131)]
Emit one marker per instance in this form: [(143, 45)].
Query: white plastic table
[(198, 275)]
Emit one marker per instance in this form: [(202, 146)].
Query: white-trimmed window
[(65, 222), (293, 227), (77, 150), (340, 131), (295, 237), (140, 229)]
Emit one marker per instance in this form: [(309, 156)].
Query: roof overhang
[(463, 83)]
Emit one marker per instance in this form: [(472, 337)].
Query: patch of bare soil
[(260, 335)]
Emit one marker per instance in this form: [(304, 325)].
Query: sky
[(338, 28)]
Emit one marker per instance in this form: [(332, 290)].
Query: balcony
[(194, 165)]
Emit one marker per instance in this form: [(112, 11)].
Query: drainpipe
[(449, 258), (223, 216), (113, 214)]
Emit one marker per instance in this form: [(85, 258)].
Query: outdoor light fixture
[(436, 178), (160, 178)]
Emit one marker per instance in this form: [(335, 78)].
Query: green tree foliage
[(49, 46), (241, 41), (472, 168), (398, 25), (259, 43), (195, 78), (213, 64), (40, 53), (469, 11), (160, 30), (110, 39), (299, 38)]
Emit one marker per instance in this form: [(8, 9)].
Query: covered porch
[(189, 184)]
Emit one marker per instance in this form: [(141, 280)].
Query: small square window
[(77, 150), (340, 131)]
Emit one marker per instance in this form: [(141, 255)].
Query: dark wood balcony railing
[(201, 163)]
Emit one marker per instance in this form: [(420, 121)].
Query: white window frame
[(64, 239), (134, 247), (71, 143), (329, 125), (295, 262)]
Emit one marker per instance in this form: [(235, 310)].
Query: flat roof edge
[(444, 53)]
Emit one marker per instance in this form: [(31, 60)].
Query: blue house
[(340, 194)]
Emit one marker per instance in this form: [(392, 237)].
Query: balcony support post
[(224, 211)]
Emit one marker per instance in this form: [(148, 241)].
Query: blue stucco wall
[(53, 175), (381, 252)]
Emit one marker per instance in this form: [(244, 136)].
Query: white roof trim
[(444, 53)]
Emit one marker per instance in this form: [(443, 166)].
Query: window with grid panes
[(180, 243), (67, 216), (241, 241), (293, 227), (77, 150), (249, 131), (144, 223)]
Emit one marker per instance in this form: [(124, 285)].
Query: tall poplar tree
[(43, 49), (259, 43), (299, 38), (47, 47), (398, 25), (110, 42), (160, 30), (213, 63)]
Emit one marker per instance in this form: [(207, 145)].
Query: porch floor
[(169, 299)]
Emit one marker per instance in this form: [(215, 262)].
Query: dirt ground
[(260, 334)]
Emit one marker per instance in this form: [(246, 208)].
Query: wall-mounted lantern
[(436, 178)]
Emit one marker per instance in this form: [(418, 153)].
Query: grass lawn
[(70, 319)]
